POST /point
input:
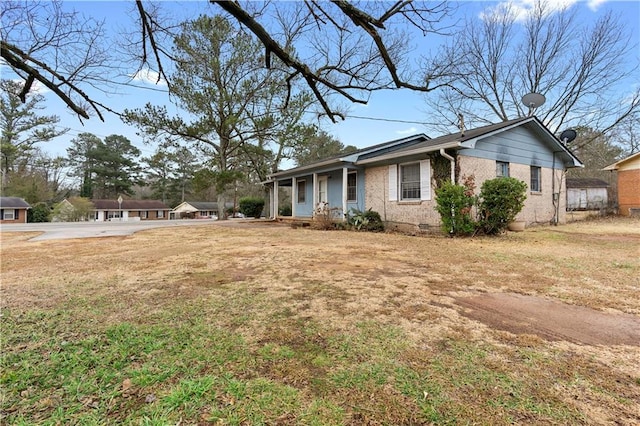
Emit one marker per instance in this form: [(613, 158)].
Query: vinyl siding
[(518, 146)]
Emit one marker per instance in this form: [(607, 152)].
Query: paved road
[(65, 230)]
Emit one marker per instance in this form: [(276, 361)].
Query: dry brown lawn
[(267, 283)]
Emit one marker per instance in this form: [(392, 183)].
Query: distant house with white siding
[(197, 210)]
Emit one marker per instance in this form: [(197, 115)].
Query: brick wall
[(538, 207), (628, 190), (377, 198), (21, 213)]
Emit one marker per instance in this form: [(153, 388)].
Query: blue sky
[(403, 106)]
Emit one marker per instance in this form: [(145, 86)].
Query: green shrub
[(454, 203), (251, 206), (501, 199), (365, 221), (38, 213)]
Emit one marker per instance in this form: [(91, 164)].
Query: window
[(536, 179), (352, 186), (143, 214), (8, 215), (160, 214), (410, 181), (502, 169), (301, 191)]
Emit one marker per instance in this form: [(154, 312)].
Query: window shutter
[(393, 182), (425, 180), (16, 214)]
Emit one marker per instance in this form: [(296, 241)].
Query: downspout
[(555, 201), (453, 164)]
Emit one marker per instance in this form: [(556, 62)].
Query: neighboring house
[(13, 210), (398, 178), (587, 194), (65, 211), (628, 184), (129, 210), (197, 210)]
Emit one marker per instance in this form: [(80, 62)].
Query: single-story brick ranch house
[(13, 210), (398, 178), (129, 210), (628, 170)]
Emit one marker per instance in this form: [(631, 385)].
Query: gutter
[(396, 154)]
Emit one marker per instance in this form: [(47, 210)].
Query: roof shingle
[(13, 203)]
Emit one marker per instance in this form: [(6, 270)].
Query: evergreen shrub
[(251, 206), (501, 199)]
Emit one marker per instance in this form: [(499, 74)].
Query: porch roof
[(351, 159)]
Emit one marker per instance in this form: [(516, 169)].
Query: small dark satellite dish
[(533, 100), (568, 135)]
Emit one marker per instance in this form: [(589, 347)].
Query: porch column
[(315, 191), (345, 174), (294, 196), (275, 199)]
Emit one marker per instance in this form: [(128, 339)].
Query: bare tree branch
[(58, 49), (497, 59)]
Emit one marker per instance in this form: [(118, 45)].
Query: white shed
[(587, 194)]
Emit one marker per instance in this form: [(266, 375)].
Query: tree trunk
[(222, 215)]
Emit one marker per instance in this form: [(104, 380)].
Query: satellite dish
[(568, 135), (533, 101)]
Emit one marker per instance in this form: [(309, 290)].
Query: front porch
[(301, 197)]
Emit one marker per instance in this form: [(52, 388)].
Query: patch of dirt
[(551, 320)]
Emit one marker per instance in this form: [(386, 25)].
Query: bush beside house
[(499, 202), (251, 206)]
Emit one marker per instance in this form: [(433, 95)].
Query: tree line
[(98, 168)]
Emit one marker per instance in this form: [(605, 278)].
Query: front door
[(322, 189)]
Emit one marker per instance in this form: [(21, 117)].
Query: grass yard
[(218, 325)]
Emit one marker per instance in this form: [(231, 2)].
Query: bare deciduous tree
[(496, 60), (335, 48), (627, 134), (63, 51)]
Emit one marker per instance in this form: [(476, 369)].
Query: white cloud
[(149, 77), (595, 4), (520, 9), (408, 131), (36, 87), (40, 88)]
